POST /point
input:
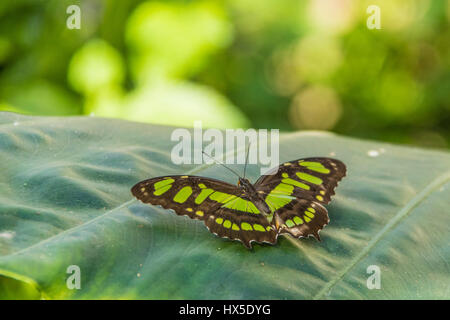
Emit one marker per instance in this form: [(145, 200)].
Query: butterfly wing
[(222, 207), (310, 178), (193, 196), (238, 220), (296, 192), (302, 218)]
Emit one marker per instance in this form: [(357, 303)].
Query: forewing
[(297, 191), (193, 196), (312, 178)]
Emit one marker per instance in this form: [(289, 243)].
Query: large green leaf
[(65, 200)]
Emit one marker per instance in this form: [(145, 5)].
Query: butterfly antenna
[(246, 158), (218, 162)]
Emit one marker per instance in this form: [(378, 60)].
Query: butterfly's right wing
[(297, 191), (310, 178)]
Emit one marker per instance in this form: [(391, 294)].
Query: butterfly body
[(250, 192), (288, 200)]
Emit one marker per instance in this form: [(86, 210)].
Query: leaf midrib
[(125, 204), (393, 222)]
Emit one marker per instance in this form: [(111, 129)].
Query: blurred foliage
[(284, 64)]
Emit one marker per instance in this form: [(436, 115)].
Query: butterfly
[(289, 199)]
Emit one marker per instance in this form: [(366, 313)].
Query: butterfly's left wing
[(220, 205), (297, 191)]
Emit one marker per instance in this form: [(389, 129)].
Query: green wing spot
[(314, 166), (219, 220), (246, 226), (320, 170), (259, 227), (283, 188), (285, 175), (235, 227), (202, 186), (199, 213), (163, 183), (242, 205), (203, 195), (298, 220), (278, 197), (296, 183), (310, 164), (307, 219), (161, 190), (227, 224), (183, 194), (275, 202), (309, 178), (311, 209), (309, 214), (290, 223), (221, 197)]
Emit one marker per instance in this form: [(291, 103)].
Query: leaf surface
[(65, 200)]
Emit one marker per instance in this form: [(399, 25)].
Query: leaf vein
[(394, 221)]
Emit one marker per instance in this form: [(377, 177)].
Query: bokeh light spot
[(97, 64), (172, 40), (180, 103), (317, 57), (315, 107), (332, 16), (399, 96)]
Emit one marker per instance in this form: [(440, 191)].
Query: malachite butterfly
[(288, 200)]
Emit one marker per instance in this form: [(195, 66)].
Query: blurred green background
[(284, 64)]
